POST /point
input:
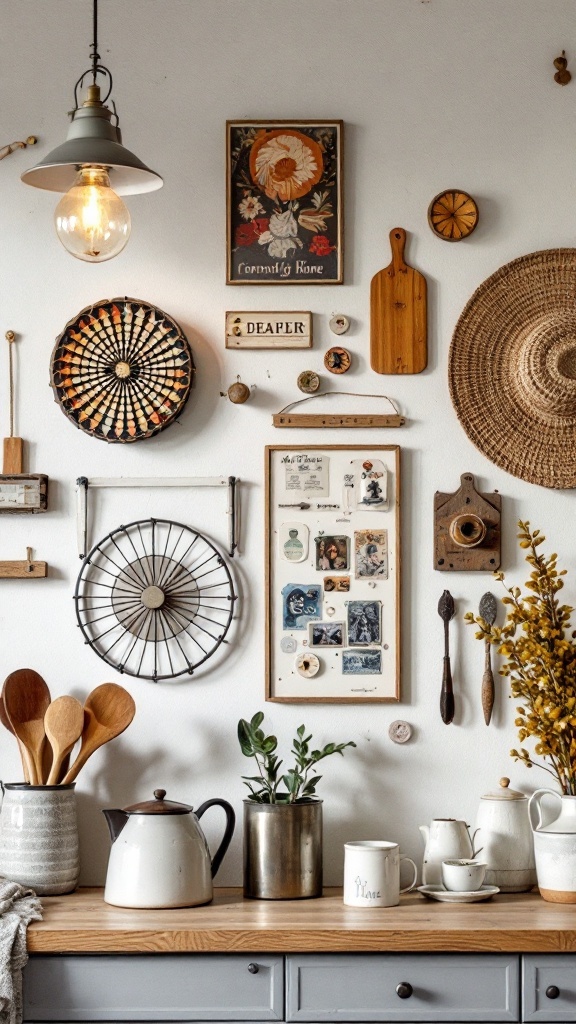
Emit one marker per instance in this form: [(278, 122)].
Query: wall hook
[(562, 75)]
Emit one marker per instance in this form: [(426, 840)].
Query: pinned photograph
[(361, 663), (371, 554), (293, 541), (336, 584), (301, 603), (332, 552), (364, 623), (326, 634)]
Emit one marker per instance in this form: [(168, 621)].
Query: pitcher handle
[(228, 831), (537, 804), (409, 888)]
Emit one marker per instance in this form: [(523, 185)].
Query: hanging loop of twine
[(326, 394)]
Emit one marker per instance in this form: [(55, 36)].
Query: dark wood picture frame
[(387, 593), (284, 202)]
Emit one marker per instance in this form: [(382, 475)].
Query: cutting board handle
[(397, 243)]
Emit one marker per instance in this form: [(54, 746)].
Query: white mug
[(372, 873)]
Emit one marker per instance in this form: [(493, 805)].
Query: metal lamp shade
[(93, 141)]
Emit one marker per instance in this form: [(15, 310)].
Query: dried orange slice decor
[(453, 215)]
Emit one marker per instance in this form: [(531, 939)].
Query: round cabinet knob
[(404, 990), (552, 991), (253, 968)]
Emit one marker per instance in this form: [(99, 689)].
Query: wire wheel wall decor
[(122, 370), (154, 599)]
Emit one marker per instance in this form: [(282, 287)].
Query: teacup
[(463, 875)]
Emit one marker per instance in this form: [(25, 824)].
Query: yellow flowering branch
[(537, 643)]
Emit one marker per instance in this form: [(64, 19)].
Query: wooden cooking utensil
[(8, 725), (488, 609), (63, 722), (108, 711), (398, 314), (26, 698), (446, 612)]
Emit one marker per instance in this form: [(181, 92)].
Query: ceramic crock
[(504, 834), (159, 856), (39, 837), (555, 847)]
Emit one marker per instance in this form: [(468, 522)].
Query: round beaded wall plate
[(121, 370)]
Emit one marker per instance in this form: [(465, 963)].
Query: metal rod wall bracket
[(231, 483)]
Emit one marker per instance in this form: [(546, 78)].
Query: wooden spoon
[(108, 711), (63, 722), (8, 725), (26, 698), (488, 610)]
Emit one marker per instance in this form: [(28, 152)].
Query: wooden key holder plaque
[(19, 492), (467, 529)]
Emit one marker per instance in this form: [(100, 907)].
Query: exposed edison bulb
[(92, 222)]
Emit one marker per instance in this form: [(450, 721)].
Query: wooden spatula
[(398, 333), (63, 722), (26, 698), (108, 711)]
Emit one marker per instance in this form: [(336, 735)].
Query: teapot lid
[(158, 806), (504, 793)]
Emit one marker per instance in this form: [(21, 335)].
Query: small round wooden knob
[(552, 992), (159, 794), (504, 782), (253, 968), (404, 990)]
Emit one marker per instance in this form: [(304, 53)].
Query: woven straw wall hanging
[(512, 368), (122, 370)]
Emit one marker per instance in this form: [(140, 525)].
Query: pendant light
[(93, 169)]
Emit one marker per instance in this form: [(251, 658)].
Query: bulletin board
[(332, 573)]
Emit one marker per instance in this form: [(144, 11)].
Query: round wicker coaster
[(512, 368)]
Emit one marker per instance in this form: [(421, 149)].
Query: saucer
[(438, 892)]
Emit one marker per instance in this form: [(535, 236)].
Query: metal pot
[(282, 850)]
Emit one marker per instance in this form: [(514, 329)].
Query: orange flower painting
[(284, 202)]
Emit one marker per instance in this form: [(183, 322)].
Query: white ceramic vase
[(555, 847), (504, 835), (39, 837)]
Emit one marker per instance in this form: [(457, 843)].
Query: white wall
[(434, 94)]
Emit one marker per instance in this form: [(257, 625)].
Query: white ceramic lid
[(504, 793)]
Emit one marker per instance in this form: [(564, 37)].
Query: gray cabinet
[(402, 987), (155, 987), (309, 988), (549, 987)]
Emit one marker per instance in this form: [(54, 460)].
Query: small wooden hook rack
[(26, 570)]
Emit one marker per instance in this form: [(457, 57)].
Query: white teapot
[(159, 855), (505, 835), (445, 839)]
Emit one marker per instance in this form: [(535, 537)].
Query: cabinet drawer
[(541, 973), (363, 987), (154, 988)]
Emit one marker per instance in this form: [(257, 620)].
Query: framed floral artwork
[(284, 202)]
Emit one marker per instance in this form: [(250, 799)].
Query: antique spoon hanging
[(487, 610), (446, 611)]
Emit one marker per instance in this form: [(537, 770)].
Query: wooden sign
[(467, 529), (268, 330)]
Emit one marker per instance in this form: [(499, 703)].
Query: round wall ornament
[(512, 368), (121, 370), (453, 215)]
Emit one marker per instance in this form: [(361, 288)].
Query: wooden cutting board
[(398, 314)]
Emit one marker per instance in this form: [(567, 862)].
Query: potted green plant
[(282, 815)]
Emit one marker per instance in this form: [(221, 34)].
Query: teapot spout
[(116, 820), (424, 831)]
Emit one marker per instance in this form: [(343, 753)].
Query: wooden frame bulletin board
[(332, 573)]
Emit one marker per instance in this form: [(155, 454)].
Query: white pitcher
[(555, 848), (445, 839)]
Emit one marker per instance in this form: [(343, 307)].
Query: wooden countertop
[(82, 923)]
